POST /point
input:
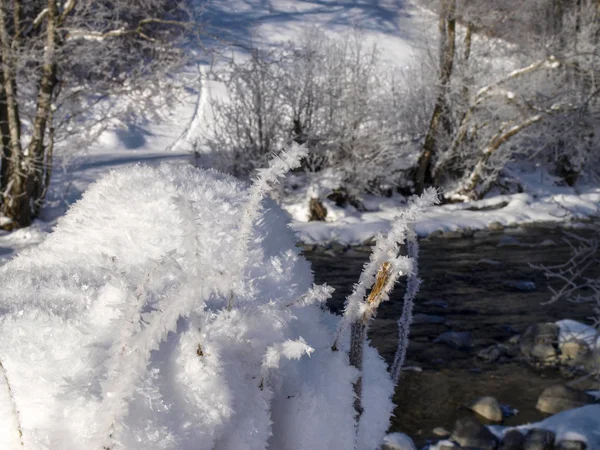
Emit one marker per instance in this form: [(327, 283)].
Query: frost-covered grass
[(170, 309)]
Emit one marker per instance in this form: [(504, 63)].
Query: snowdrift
[(129, 328)]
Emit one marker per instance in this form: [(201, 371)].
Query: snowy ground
[(352, 227), (396, 27)]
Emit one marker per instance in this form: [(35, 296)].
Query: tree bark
[(24, 172), (423, 174), (15, 205), (36, 149)]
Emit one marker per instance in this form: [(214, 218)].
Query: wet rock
[(544, 352), (469, 432), (468, 232), (456, 339), (487, 407), (436, 303), (514, 340), (513, 440), (494, 353), (571, 445), (508, 241), (590, 361), (436, 234), (495, 226), (559, 398), (538, 439), (571, 350), (447, 445), (398, 441), (454, 234), (338, 247), (542, 336), (427, 318), (521, 285), (441, 432)]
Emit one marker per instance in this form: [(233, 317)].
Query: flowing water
[(470, 282)]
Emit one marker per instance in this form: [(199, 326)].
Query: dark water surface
[(473, 276)]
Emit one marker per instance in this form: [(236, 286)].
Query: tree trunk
[(24, 173), (447, 25), (15, 205)]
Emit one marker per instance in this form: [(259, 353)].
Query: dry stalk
[(358, 330)]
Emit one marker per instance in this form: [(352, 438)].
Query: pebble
[(469, 432), (427, 319), (495, 226), (512, 440), (441, 432), (487, 407), (538, 439), (570, 445), (521, 285), (557, 398), (398, 441), (456, 339)]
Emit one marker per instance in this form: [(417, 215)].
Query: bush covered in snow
[(335, 95), (170, 310)]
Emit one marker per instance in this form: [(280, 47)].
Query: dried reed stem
[(358, 330)]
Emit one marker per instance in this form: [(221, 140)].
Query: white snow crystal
[(118, 329)]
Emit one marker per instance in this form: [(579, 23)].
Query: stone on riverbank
[(571, 445), (512, 440), (456, 339), (487, 407), (538, 341), (538, 439), (469, 432), (559, 398)]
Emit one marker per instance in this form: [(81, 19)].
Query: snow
[(580, 424), (353, 227), (571, 330), (120, 330)]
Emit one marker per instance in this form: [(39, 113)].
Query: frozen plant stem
[(13, 405), (412, 288), (358, 330), (263, 182)]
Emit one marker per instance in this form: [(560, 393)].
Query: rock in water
[(487, 407), (559, 398), (571, 445), (538, 439), (441, 432), (456, 339), (398, 441), (427, 319), (469, 432), (521, 285), (513, 440), (572, 350), (538, 341)]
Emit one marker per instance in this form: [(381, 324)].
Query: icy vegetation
[(170, 309)]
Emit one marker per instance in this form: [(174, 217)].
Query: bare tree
[(545, 110), (57, 60)]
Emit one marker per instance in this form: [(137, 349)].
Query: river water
[(471, 282)]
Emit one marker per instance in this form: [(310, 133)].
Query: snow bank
[(571, 330), (352, 227), (120, 330), (580, 424)]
